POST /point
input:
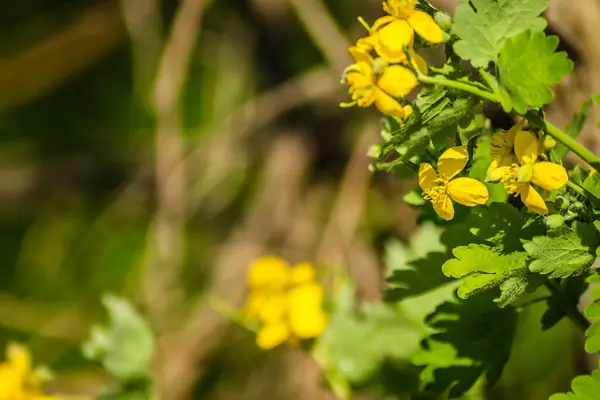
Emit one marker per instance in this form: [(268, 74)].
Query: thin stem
[(576, 188), (568, 306), (573, 145), (443, 81)]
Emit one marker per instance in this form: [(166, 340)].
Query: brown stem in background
[(165, 256)]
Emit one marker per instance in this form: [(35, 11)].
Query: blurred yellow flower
[(393, 33), (519, 178), (17, 380), (287, 302), (373, 81), (440, 188)]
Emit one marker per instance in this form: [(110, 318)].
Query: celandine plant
[(518, 221), (505, 225)]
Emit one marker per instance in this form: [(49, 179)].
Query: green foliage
[(584, 387), (124, 347), (592, 312), (472, 338), (356, 341), (528, 63), (482, 267), (572, 290), (484, 25), (563, 252)]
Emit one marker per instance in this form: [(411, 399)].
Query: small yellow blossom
[(393, 33), (440, 188), (519, 178), (17, 380), (287, 302), (373, 81)]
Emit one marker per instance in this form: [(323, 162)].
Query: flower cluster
[(286, 301), (17, 379), (386, 77), (519, 163)]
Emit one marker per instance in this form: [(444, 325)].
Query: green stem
[(568, 306), (573, 145), (443, 81), (576, 188)]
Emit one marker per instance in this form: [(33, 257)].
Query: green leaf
[(484, 25), (472, 338), (592, 184), (125, 346), (528, 63), (563, 252), (583, 387), (482, 267), (572, 288), (592, 312), (355, 341)]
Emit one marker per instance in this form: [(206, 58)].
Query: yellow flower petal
[(387, 104), (18, 358), (498, 173), (468, 191), (254, 303), (274, 308), (268, 271), (366, 43), (308, 323), (397, 81), (303, 273), (419, 62), (381, 22), (392, 39), (305, 296), (527, 147), (359, 76), (272, 335), (360, 54), (512, 132), (425, 26), (532, 200), (427, 176), (493, 166), (408, 110), (452, 161), (444, 208), (549, 176)]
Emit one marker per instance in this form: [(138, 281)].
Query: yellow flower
[(440, 188), (395, 32), (285, 301), (502, 147), (17, 380), (375, 82), (519, 178)]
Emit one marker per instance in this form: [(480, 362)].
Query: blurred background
[(152, 148)]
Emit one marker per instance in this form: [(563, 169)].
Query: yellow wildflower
[(373, 81), (519, 178), (502, 147), (17, 380), (285, 301), (394, 33), (440, 188)]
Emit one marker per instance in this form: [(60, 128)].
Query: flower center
[(437, 193)]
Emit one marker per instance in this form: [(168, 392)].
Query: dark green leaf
[(473, 338)]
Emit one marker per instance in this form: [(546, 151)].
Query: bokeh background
[(152, 148)]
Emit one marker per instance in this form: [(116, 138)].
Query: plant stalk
[(573, 145)]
